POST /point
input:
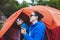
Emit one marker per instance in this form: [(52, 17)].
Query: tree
[(52, 3), (8, 6), (34, 2), (23, 4)]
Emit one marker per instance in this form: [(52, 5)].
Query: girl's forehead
[(32, 13)]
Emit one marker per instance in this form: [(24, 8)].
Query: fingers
[(23, 30)]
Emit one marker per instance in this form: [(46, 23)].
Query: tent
[(51, 19)]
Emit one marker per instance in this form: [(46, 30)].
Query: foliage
[(8, 6), (52, 3)]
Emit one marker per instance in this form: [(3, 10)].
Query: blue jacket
[(36, 31), (24, 25)]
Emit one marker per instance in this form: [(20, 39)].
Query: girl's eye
[(32, 15)]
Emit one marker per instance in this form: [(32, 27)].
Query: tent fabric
[(51, 19)]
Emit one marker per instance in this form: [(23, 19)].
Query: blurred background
[(8, 7)]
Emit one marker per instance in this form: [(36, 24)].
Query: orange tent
[(51, 19)]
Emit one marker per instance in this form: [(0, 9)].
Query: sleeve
[(38, 34), (24, 25)]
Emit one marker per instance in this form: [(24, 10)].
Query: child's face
[(33, 17), (19, 21)]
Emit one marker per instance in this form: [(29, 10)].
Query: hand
[(23, 31)]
